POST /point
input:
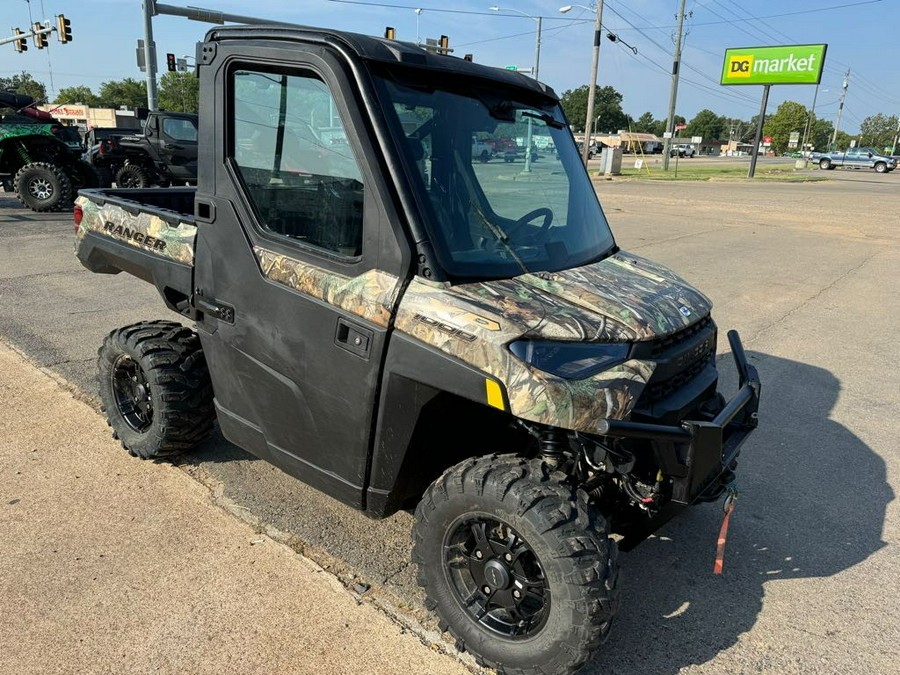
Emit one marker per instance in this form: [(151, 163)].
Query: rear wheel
[(155, 388), (825, 164), (132, 176), (518, 566), (43, 187)]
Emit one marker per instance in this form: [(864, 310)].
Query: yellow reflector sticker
[(494, 394)]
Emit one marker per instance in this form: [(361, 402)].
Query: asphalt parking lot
[(807, 272)]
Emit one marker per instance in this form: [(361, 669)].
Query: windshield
[(501, 183)]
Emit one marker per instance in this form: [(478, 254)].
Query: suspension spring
[(553, 442)]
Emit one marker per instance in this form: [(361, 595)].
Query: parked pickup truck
[(856, 158), (403, 329)]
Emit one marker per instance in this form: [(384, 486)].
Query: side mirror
[(870, 155)]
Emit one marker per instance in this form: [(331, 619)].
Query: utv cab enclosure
[(403, 326)]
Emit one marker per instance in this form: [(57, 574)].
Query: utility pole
[(837, 123), (673, 94), (586, 147), (149, 7), (810, 118)]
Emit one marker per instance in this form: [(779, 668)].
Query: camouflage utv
[(403, 326), (40, 159)]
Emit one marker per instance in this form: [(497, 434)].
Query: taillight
[(77, 214)]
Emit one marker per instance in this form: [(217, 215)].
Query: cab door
[(299, 264), (178, 146)]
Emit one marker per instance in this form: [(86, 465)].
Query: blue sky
[(863, 37)]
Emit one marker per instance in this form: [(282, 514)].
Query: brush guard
[(699, 456)]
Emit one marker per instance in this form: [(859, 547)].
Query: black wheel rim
[(496, 577), (132, 393)]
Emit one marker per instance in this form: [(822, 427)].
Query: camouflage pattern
[(145, 231), (623, 298), (17, 130), (371, 295)]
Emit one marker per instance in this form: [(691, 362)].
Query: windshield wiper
[(545, 118)]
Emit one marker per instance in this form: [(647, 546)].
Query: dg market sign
[(793, 64)]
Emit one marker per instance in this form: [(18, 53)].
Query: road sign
[(696, 139), (667, 134)]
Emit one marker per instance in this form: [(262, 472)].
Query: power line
[(445, 11), (776, 16)]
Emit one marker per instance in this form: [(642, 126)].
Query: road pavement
[(807, 273), (111, 565)]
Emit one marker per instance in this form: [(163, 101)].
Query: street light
[(585, 148), (535, 72)]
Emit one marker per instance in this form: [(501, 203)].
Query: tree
[(128, 92), (81, 94), (179, 92), (877, 131), (659, 126), (706, 124), (820, 132), (608, 114), (790, 116), (645, 124), (24, 83)]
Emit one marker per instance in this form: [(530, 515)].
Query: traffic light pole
[(150, 54), (28, 34)]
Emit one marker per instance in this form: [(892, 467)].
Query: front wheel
[(881, 167), (43, 187), (518, 566), (155, 388)]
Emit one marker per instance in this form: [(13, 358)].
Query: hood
[(623, 298)]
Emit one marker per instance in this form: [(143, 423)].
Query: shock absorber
[(552, 444)]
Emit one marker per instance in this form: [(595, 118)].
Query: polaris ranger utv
[(403, 326)]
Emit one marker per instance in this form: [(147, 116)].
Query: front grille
[(656, 391), (679, 358), (661, 345)]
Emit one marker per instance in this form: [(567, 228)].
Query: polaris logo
[(122, 232)]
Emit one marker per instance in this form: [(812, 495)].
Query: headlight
[(569, 360)]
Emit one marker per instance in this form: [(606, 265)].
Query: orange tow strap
[(723, 533)]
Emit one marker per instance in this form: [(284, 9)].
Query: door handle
[(355, 339), (172, 146)]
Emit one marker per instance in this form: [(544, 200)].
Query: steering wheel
[(528, 217)]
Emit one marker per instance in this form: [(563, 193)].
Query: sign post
[(789, 64)]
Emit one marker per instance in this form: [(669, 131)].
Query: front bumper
[(699, 456)]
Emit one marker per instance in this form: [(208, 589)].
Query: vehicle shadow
[(786, 525)]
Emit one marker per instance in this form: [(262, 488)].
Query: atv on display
[(40, 159), (164, 153)]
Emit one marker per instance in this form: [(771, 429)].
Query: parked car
[(683, 150), (857, 158)]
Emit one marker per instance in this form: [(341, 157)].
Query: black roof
[(372, 48)]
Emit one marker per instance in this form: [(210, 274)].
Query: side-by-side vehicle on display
[(40, 158), (402, 326)]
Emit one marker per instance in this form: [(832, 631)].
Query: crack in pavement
[(815, 296)]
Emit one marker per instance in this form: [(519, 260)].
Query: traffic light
[(445, 45), (170, 63), (65, 29), (21, 41), (40, 39), (388, 32)]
